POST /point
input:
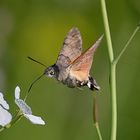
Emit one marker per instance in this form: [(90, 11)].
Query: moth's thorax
[(63, 74)]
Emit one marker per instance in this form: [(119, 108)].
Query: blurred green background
[(37, 29)]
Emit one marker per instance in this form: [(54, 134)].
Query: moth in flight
[(72, 67)]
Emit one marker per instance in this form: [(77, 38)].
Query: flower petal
[(3, 102), (17, 92), (23, 106), (34, 119), (5, 117)]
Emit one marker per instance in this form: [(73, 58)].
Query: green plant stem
[(98, 131), (2, 129), (107, 31), (113, 101), (95, 117), (13, 122), (126, 45), (17, 118), (112, 72)]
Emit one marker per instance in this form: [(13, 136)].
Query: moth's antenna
[(30, 87), (36, 61)]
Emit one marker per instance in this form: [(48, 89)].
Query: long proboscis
[(30, 87), (38, 78)]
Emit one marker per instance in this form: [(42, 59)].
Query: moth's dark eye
[(52, 72)]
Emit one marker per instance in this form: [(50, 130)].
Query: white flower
[(5, 116), (26, 110)]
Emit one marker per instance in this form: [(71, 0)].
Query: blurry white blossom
[(26, 110), (5, 116)]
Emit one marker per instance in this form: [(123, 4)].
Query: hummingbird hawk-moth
[(72, 67)]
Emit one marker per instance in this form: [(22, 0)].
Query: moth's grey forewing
[(71, 48)]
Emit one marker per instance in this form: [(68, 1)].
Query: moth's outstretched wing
[(81, 66), (71, 48)]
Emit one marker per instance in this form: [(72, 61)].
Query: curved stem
[(95, 117), (98, 131)]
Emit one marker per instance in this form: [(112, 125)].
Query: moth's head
[(51, 71)]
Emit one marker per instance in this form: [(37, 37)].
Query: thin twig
[(127, 44), (98, 131), (95, 117)]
